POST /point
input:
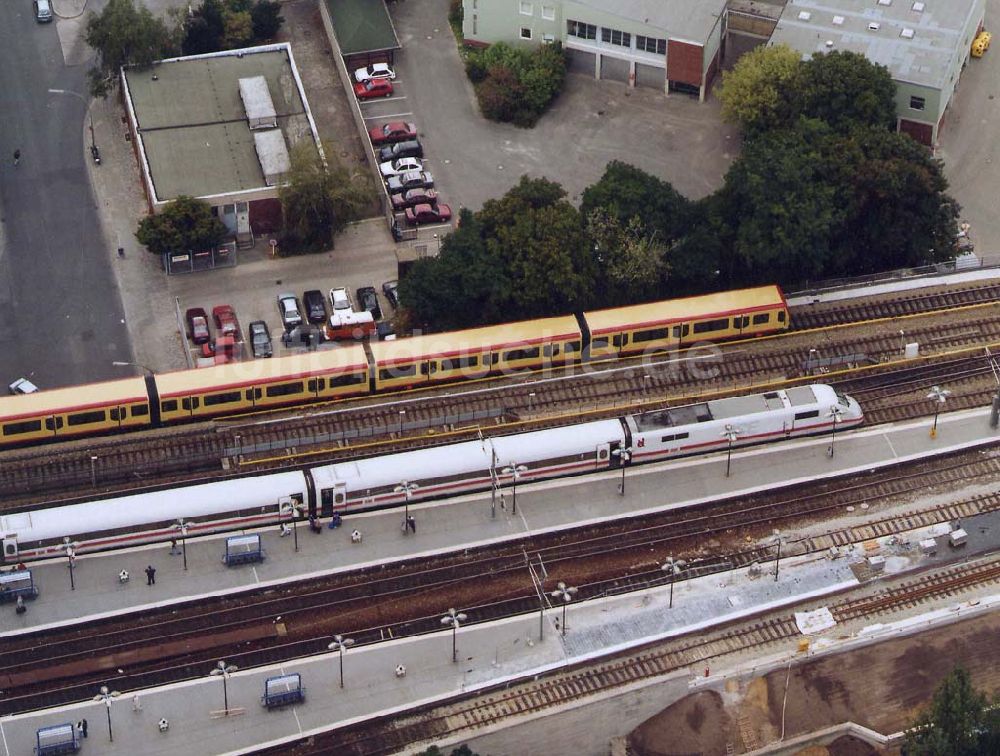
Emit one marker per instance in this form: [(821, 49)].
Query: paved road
[(60, 310)]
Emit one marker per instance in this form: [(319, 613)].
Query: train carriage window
[(764, 317), (345, 380), (225, 398), (27, 426), (140, 410), (711, 325), (572, 346), (284, 389), (781, 316), (681, 331), (400, 371), (316, 384), (620, 340), (598, 344), (806, 415), (168, 405), (653, 334), (192, 402), (459, 363), (86, 418), (674, 437), (522, 354), (115, 414), (494, 358)]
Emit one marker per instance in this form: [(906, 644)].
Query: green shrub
[(514, 84)]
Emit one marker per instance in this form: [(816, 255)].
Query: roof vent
[(874, 26), (885, 2), (838, 20), (829, 43), (804, 15), (906, 34), (918, 7)]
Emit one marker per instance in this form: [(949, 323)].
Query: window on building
[(475, 24), (917, 103), (527, 9), (615, 37), (651, 44), (525, 32), (549, 12), (581, 30), (549, 38)]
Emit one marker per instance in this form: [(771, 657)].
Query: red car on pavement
[(225, 320), (365, 90), (392, 132), (419, 214)]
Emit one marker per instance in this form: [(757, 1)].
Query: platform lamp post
[(565, 594), (937, 395), (454, 619), (294, 511), (779, 538), (515, 471), (224, 670), (673, 567), (106, 697), (834, 415), (121, 363), (70, 547), (406, 488), (181, 526), (340, 644), (731, 434), (624, 457)]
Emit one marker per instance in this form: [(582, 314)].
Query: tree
[(958, 721), (185, 224), (753, 93), (123, 35), (844, 89), (238, 29), (267, 19), (205, 30), (317, 202), (631, 259)]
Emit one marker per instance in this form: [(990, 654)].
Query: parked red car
[(365, 90), (225, 320), (197, 323), (414, 197), (395, 131), (419, 214)]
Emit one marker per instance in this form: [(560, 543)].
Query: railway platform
[(877, 288), (394, 676), (94, 589)]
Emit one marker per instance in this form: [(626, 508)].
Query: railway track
[(407, 599), (691, 652), (117, 465)]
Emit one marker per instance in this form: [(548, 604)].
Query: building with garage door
[(673, 45), (924, 44), (219, 127)]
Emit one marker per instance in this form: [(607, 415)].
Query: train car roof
[(125, 512), (688, 308), (476, 340), (73, 399), (249, 372), (525, 448), (735, 406)]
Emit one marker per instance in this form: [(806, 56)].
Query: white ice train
[(429, 473)]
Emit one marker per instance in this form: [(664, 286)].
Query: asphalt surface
[(61, 320)]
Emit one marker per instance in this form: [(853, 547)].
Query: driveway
[(593, 122)]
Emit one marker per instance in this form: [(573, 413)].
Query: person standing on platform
[(150, 575), (412, 523), (173, 547), (84, 727)]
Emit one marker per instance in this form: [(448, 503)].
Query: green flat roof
[(193, 125), (362, 26)]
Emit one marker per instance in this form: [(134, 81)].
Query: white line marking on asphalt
[(891, 447), (391, 115), (256, 577), (3, 735), (373, 100)]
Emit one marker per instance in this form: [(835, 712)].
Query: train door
[(740, 323), (53, 424), (252, 396), (118, 415), (315, 386), (190, 404), (620, 343), (604, 456), (333, 498)]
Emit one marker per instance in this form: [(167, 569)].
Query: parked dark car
[(260, 339), (414, 197), (394, 131), (410, 180), (197, 323), (315, 306), (390, 289), (368, 300), (384, 330), (419, 214), (409, 148)]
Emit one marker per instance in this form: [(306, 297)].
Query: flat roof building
[(923, 43), (219, 127)]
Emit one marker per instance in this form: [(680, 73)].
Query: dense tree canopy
[(123, 34), (958, 722), (228, 25), (754, 92), (516, 84), (186, 224), (844, 89)]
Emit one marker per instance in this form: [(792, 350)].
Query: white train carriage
[(754, 419), (467, 466), (118, 522)]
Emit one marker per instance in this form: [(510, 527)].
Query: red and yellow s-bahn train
[(351, 370)]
